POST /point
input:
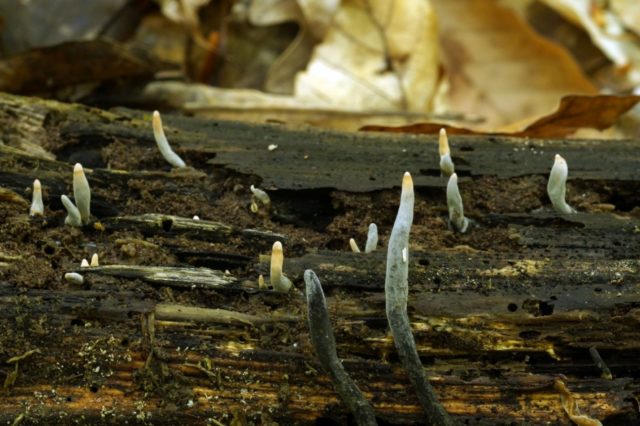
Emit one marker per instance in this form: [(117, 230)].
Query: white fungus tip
[(163, 144), (278, 280), (556, 185), (443, 143), (82, 193), (84, 263), (261, 283), (37, 206), (354, 245), (372, 238), (94, 260), (407, 182)]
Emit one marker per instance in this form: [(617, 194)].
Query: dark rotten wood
[(154, 344)]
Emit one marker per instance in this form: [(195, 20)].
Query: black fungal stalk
[(396, 294), (325, 346)]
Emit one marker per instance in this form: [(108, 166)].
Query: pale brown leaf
[(499, 69)]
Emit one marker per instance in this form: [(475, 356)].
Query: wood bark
[(160, 344)]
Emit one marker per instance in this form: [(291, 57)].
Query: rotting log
[(495, 324)]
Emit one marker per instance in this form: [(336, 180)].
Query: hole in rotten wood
[(538, 308), (512, 307), (77, 321), (167, 224), (49, 249), (93, 388), (529, 334), (423, 262), (466, 148)]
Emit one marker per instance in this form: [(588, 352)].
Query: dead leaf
[(498, 68), (576, 112), (282, 72), (629, 12), (29, 24), (376, 55), (182, 11), (607, 31), (50, 68), (573, 113)]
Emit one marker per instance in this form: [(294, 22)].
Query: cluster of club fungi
[(396, 280)]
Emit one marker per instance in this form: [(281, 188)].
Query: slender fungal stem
[(396, 293), (372, 238), (324, 344), (82, 193), (163, 144)]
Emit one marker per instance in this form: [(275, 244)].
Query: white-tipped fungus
[(354, 245), (262, 196), (84, 263), (73, 214), (37, 206), (372, 238), (446, 163), (454, 202), (278, 280), (81, 193), (163, 144), (556, 186), (94, 260), (74, 278), (396, 289), (259, 195), (261, 283)]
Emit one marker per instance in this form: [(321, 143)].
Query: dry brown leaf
[(313, 17), (272, 12), (48, 68), (376, 55), (499, 69), (576, 112), (629, 13), (573, 113)]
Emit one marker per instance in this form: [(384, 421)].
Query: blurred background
[(483, 66)]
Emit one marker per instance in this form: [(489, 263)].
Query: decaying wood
[(494, 328)]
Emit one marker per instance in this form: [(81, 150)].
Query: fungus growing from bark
[(354, 245), (73, 214), (372, 240), (446, 163), (81, 193), (163, 144), (396, 290), (454, 203), (324, 344), (37, 206), (258, 195), (557, 186), (278, 280)]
